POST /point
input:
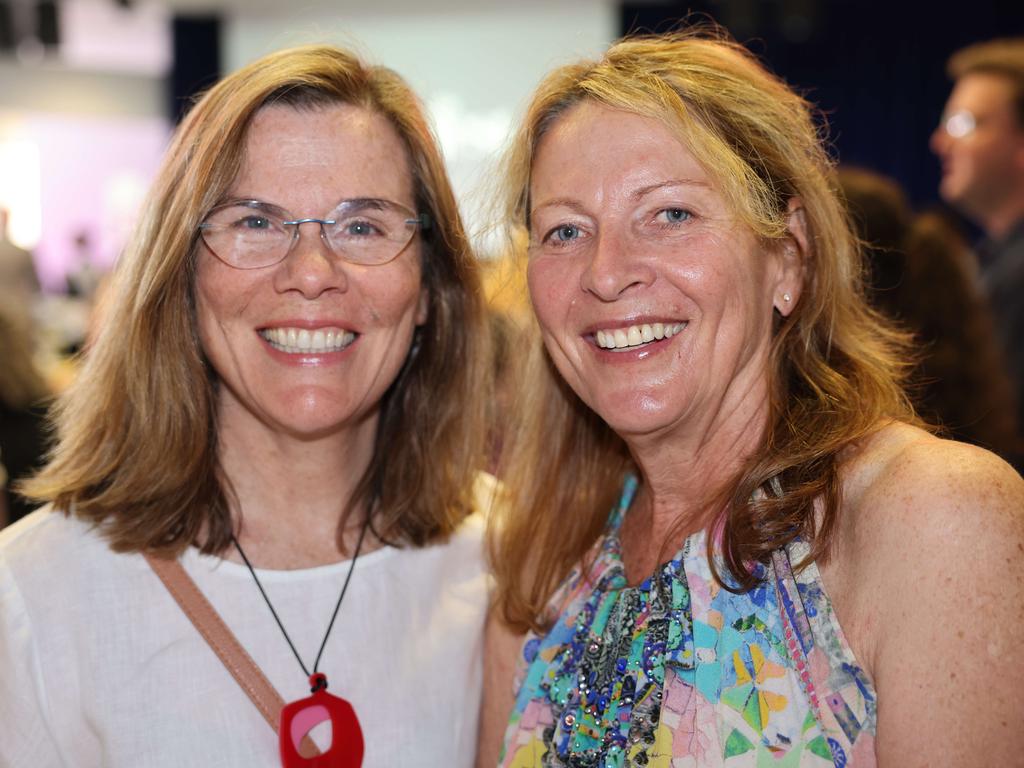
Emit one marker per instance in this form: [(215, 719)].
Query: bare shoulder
[(904, 476), (939, 544)]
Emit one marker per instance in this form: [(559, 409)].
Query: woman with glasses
[(729, 541), (262, 497)]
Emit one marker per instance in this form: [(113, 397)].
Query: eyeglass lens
[(249, 234), (959, 123)]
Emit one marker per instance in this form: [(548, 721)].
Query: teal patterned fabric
[(677, 671)]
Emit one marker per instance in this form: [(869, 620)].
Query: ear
[(423, 306), (792, 259)]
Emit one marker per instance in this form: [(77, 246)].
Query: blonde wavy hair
[(835, 366), (137, 431)]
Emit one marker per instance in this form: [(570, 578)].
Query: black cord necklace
[(300, 717)]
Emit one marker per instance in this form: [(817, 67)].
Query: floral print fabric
[(678, 671)]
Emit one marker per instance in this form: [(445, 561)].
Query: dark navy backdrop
[(877, 69)]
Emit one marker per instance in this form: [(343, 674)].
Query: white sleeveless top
[(100, 667)]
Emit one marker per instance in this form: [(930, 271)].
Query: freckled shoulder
[(906, 482), (938, 533)]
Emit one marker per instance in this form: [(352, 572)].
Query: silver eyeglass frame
[(421, 222)]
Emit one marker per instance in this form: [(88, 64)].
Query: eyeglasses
[(250, 234), (959, 124)]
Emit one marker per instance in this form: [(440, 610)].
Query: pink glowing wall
[(94, 173)]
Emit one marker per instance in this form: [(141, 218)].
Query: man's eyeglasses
[(250, 234), (959, 124)]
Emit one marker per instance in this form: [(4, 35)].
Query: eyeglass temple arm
[(423, 221)]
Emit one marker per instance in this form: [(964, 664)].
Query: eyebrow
[(559, 202), (641, 193), (252, 202), (636, 195), (363, 203), (355, 203)]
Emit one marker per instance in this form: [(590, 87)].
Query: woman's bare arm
[(502, 646), (947, 580)]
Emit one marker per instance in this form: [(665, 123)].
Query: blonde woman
[(283, 400), (728, 540)]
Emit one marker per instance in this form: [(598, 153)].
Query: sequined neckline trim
[(606, 684)]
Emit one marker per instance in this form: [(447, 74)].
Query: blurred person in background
[(980, 141), (727, 537), (508, 315), (19, 283), (921, 274), (281, 418), (24, 397), (83, 278)]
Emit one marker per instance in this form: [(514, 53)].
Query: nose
[(616, 266), (939, 140), (311, 267)]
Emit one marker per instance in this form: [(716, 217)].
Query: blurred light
[(20, 191), (123, 195), (116, 37), (30, 51)]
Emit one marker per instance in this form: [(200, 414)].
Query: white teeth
[(635, 335), (301, 341)]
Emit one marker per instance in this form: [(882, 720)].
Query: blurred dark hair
[(920, 272)]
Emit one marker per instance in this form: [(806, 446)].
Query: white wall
[(474, 64), (93, 116)]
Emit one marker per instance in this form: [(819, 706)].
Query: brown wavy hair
[(137, 432), (835, 365)]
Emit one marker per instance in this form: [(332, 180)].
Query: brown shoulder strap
[(223, 642)]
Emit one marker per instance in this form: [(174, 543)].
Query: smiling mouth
[(636, 335), (295, 341)]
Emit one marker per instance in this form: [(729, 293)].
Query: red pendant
[(302, 716)]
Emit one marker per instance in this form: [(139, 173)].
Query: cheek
[(209, 303), (395, 294), (549, 283), (220, 298)]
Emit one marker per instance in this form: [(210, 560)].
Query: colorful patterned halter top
[(679, 672)]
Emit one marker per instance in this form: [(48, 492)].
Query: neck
[(683, 475), (1000, 221), (291, 494)]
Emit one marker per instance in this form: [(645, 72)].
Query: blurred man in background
[(980, 142)]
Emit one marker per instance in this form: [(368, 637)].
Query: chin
[(637, 414), (952, 192), (312, 417)]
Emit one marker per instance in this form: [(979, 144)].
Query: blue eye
[(565, 237), (255, 222), (675, 215), (566, 232), (359, 228)]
